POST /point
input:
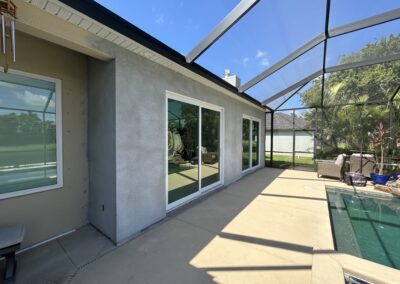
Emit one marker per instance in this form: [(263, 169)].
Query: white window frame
[(59, 149), (251, 166), (200, 104)]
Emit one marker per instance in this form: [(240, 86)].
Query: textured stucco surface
[(54, 212), (101, 149), (141, 87)]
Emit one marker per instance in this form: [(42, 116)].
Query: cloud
[(160, 19), (245, 60), (260, 54), (32, 99), (264, 62), (262, 58)]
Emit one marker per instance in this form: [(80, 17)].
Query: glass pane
[(375, 83), (295, 71), (266, 34), (210, 139), (179, 24), (22, 93), (304, 141), (277, 103), (245, 144), (395, 132), (375, 42), (306, 97), (268, 139), (255, 142), (347, 11), (28, 154), (304, 146), (283, 137), (183, 147), (345, 129)]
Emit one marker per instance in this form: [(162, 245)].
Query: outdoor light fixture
[(8, 12)]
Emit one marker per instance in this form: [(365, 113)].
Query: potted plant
[(378, 138)]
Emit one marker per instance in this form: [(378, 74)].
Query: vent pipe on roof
[(231, 79)]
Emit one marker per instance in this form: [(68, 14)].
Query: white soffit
[(91, 29)]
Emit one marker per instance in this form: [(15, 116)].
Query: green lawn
[(26, 148), (26, 154), (285, 161)]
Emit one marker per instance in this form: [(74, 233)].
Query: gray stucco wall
[(101, 150), (54, 212), (140, 137)]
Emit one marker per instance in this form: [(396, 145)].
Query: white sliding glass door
[(194, 139), (250, 142)]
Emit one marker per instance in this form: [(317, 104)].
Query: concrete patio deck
[(261, 229)]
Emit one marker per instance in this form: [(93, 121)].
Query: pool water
[(367, 226)]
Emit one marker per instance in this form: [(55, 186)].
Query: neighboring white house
[(284, 136)]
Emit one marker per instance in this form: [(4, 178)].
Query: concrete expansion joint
[(196, 226)]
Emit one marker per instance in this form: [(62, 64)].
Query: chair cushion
[(339, 160), (12, 235)]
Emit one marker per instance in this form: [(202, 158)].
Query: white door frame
[(251, 119), (200, 104)]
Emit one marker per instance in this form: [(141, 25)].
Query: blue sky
[(270, 31)]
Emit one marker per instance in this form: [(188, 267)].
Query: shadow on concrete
[(293, 196), (269, 243), (164, 252), (260, 268), (275, 244)]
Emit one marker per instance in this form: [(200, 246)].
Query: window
[(194, 148), (250, 143), (246, 144), (30, 134)]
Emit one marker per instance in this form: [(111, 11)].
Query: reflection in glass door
[(255, 142), (210, 150), (250, 143), (245, 144), (192, 129), (183, 147)]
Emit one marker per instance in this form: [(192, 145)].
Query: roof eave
[(104, 16)]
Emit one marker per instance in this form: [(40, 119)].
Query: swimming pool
[(366, 226)]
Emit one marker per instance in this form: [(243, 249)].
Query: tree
[(368, 91)]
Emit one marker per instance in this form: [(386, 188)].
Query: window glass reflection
[(255, 143), (246, 144), (183, 147), (28, 156), (210, 139)]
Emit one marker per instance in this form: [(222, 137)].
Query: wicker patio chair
[(332, 168), (365, 167)]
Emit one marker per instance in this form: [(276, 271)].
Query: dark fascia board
[(104, 16)]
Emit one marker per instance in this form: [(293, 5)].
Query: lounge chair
[(332, 168), (365, 167)]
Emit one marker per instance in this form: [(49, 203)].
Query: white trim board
[(59, 142), (200, 104), (251, 166)]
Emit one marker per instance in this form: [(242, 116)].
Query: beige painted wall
[(54, 212)]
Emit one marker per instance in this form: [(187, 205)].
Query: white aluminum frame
[(251, 166), (59, 150), (200, 104)]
